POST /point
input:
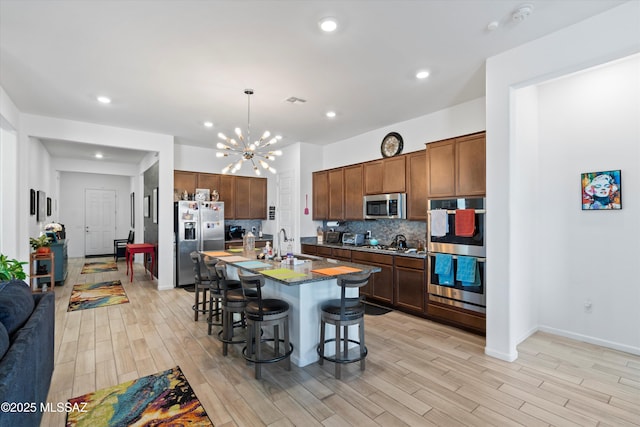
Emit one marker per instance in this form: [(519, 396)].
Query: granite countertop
[(292, 274), (314, 241)]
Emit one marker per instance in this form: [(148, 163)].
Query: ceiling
[(168, 66)]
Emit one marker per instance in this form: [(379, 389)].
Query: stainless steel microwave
[(385, 206)]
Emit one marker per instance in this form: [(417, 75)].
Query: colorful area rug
[(162, 399), (93, 295), (98, 267)]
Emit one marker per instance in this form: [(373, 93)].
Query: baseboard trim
[(507, 357), (591, 340)]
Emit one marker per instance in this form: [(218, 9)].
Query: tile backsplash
[(384, 230)]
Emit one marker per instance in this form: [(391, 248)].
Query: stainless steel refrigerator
[(199, 226)]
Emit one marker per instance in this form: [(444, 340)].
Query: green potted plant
[(11, 269), (40, 244)]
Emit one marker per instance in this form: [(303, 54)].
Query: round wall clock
[(391, 144)]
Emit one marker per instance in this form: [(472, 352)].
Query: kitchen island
[(303, 287)]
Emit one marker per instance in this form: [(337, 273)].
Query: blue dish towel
[(444, 269), (468, 271)]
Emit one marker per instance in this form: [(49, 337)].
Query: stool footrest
[(251, 358), (343, 360)]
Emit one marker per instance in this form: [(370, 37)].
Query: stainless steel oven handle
[(453, 212), (456, 257)]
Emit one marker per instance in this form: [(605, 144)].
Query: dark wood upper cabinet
[(385, 176), (320, 195), (394, 175), (183, 180), (243, 197), (373, 177), (471, 179), (441, 169), (209, 181), (336, 194), (258, 198), (417, 186), (353, 192), (227, 195)]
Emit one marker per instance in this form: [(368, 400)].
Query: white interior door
[(100, 221)]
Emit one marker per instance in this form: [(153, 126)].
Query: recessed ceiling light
[(493, 25), (331, 114), (98, 155), (104, 99), (328, 25), (422, 74), (208, 124)]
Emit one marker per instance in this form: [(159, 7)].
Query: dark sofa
[(26, 353)]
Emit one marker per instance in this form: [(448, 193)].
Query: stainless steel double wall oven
[(457, 294)]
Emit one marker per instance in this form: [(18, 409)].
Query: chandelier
[(256, 152)]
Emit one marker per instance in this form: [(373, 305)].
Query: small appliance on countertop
[(355, 239), (333, 237)]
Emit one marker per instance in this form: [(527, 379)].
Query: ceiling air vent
[(295, 100)]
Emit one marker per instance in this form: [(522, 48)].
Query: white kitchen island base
[(304, 300)]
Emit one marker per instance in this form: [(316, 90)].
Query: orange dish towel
[(465, 222)]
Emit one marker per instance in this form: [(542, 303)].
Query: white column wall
[(605, 37)]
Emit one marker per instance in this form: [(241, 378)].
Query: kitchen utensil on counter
[(399, 242), (306, 204)]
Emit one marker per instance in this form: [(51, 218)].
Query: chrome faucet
[(282, 231)]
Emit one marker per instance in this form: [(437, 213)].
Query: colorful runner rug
[(98, 267), (162, 399), (93, 295)]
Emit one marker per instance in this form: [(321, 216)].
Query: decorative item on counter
[(185, 195), (249, 242), (215, 196), (320, 236), (176, 195), (260, 233)]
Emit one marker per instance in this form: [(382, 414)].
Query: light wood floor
[(418, 372)]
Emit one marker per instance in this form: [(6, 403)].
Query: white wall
[(461, 119), (69, 130), (72, 203), (41, 178), (590, 122), (605, 37), (13, 183)]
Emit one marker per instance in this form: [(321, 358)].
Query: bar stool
[(264, 312), (343, 313), (233, 301), (202, 285)]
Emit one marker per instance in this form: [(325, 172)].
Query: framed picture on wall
[(154, 208), (145, 206), (48, 206), (42, 206), (133, 210), (33, 202), (601, 190)]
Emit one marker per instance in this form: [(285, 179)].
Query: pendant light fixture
[(256, 152)]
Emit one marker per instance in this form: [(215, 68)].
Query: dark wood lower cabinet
[(470, 320), (402, 284), (410, 285), (380, 285)]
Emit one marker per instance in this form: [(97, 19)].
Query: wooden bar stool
[(343, 313), (264, 312), (233, 301), (202, 286)]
